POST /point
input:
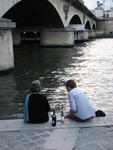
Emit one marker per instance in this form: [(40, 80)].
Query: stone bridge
[(50, 13), (54, 19)]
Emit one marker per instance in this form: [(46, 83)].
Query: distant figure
[(36, 105), (80, 107)]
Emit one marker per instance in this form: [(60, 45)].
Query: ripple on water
[(90, 64)]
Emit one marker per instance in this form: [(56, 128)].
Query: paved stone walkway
[(96, 134)]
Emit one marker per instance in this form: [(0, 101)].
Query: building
[(98, 11), (104, 10)]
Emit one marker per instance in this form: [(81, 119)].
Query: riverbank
[(96, 134)]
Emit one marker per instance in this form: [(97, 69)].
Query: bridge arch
[(75, 20), (94, 26), (88, 25), (7, 5), (39, 13)]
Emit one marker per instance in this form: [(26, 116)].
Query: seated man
[(80, 107), (36, 105)]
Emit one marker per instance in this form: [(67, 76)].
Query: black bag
[(100, 113)]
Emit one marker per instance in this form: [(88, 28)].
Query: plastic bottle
[(54, 118), (62, 117)]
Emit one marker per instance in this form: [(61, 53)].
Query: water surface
[(90, 64)]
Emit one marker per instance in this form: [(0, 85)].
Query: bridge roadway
[(96, 134)]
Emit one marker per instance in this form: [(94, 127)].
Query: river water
[(90, 64)]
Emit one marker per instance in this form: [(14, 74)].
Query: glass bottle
[(62, 117), (54, 118)]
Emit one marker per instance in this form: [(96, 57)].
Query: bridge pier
[(6, 45), (57, 37), (81, 36), (16, 37), (92, 34), (99, 33)]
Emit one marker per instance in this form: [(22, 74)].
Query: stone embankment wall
[(106, 27)]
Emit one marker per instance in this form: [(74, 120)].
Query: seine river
[(90, 64)]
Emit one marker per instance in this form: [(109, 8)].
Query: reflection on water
[(90, 64)]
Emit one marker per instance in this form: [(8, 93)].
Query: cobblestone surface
[(96, 138), (20, 140), (96, 134)]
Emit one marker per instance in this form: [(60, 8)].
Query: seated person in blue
[(36, 105), (80, 107)]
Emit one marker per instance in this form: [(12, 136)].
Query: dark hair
[(71, 84)]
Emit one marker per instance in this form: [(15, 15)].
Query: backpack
[(100, 113)]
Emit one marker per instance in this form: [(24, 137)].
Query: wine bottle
[(62, 117), (54, 118)]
